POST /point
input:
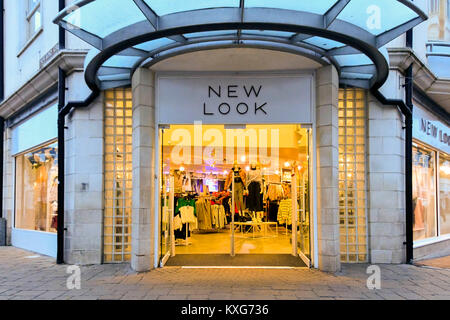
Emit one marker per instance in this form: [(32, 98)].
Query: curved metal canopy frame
[(351, 41)]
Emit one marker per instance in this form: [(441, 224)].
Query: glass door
[(166, 210), (303, 203)]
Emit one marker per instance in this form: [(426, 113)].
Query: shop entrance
[(235, 194)]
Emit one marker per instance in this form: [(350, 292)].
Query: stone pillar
[(142, 229), (8, 184), (83, 242), (327, 92), (386, 186)]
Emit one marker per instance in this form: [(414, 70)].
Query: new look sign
[(235, 99)]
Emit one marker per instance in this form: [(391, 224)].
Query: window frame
[(29, 15), (15, 158)]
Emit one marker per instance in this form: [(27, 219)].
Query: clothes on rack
[(178, 181), (285, 212), (274, 192), (187, 183), (218, 216), (187, 216), (203, 208), (177, 223), (273, 211), (185, 212)]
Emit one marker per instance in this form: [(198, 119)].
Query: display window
[(424, 193), (444, 193), (431, 193), (36, 185), (241, 184)]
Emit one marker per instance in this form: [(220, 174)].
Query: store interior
[(264, 166), (37, 189)]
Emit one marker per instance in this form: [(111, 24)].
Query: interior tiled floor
[(220, 243)]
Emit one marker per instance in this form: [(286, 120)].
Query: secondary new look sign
[(235, 99)]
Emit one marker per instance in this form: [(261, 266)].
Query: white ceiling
[(236, 59)]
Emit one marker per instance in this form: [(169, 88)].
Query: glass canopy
[(127, 34)]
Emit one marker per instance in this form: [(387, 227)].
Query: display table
[(256, 229)]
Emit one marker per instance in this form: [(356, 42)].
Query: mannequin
[(238, 175), (255, 189)]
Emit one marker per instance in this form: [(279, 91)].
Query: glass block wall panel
[(352, 175), (118, 175)]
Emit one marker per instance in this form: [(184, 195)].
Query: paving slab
[(41, 279)]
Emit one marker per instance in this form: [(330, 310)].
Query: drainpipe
[(2, 123), (63, 110), (406, 107), (61, 161), (409, 91), (61, 31), (409, 88)]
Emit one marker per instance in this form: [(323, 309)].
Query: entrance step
[(241, 260)]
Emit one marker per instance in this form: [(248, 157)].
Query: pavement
[(443, 263), (29, 276)]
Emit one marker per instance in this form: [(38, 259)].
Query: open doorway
[(235, 194)]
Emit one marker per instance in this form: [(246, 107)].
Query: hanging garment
[(178, 182), (203, 214), (187, 216), (181, 202), (177, 223), (187, 183), (254, 200), (273, 211), (285, 212), (215, 215), (275, 192), (222, 217)]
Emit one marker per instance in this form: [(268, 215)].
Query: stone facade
[(84, 185), (327, 93), (143, 214), (8, 184), (386, 183)]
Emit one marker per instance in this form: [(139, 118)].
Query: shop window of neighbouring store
[(118, 175), (444, 193), (424, 193), (352, 175), (36, 196)]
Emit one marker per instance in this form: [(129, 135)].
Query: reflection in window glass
[(37, 189), (444, 193), (424, 193)]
